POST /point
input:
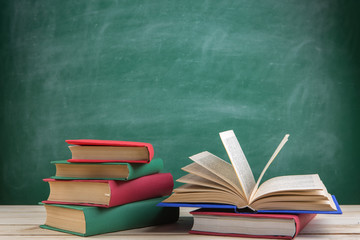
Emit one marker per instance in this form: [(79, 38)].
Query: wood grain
[(22, 222)]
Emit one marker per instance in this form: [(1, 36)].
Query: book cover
[(112, 143), (88, 220), (281, 226), (127, 171), (109, 193)]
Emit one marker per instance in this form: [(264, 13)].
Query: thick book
[(92, 150), (215, 181), (109, 193), (88, 220), (109, 170), (235, 209), (280, 226)]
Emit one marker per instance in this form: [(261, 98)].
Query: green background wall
[(176, 73)]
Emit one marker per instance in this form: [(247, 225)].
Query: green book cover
[(135, 170), (103, 220)]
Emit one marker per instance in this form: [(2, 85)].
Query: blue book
[(211, 182), (233, 208)]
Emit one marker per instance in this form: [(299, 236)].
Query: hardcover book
[(281, 226), (91, 150), (88, 220), (211, 180), (109, 193), (107, 170)]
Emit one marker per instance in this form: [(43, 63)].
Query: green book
[(87, 221), (108, 171)]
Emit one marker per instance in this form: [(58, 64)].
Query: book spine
[(139, 170), (150, 186), (133, 215), (150, 149), (301, 221)]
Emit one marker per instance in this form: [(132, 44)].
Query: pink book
[(109, 193), (92, 150), (280, 226)]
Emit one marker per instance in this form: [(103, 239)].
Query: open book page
[(197, 170), (219, 167), (282, 143), (202, 195), (289, 183), (190, 189), (204, 186), (194, 181), (239, 162)]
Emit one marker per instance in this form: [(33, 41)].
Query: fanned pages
[(218, 167), (239, 162), (282, 143), (213, 180)]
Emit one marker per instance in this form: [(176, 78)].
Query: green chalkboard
[(175, 74)]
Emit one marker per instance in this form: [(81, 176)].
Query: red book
[(280, 226), (91, 150), (109, 193)]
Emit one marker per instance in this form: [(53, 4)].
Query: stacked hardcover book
[(231, 203), (108, 186)]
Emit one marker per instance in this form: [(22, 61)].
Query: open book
[(213, 180)]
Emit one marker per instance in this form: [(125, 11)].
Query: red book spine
[(151, 186), (301, 221)]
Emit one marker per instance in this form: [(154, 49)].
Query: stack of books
[(231, 203), (108, 186)]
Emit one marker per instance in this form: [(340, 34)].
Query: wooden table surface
[(22, 222)]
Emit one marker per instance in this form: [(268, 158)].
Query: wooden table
[(22, 222)]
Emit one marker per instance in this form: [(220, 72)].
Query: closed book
[(88, 220), (92, 150), (109, 193), (280, 226), (110, 170)]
